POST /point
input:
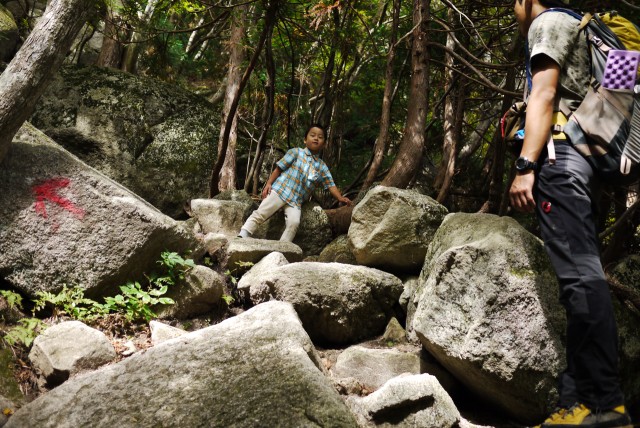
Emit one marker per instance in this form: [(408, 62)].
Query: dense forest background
[(411, 92)]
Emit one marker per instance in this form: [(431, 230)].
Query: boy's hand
[(345, 200), (266, 191)]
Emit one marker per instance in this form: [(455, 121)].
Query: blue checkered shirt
[(301, 173)]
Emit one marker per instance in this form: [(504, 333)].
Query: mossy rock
[(8, 34), (157, 139)]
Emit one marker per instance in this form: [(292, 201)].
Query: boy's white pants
[(267, 208)]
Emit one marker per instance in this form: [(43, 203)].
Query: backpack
[(605, 128)]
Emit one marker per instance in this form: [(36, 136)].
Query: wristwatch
[(524, 164)]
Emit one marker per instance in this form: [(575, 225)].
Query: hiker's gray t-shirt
[(556, 35)]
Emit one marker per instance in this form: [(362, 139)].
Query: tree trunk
[(253, 176), (382, 141), (132, 50), (27, 75), (407, 161), (340, 219), (227, 179), (448, 164), (111, 50), (270, 18)]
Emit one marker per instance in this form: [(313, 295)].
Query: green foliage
[(25, 332), (231, 273), (136, 302), (14, 300), (70, 302), (228, 299)]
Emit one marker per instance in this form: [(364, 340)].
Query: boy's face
[(314, 140)]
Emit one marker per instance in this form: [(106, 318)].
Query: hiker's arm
[(267, 187), (545, 76), (338, 196)]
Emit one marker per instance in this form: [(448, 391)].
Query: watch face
[(523, 164)]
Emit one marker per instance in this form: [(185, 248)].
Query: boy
[(289, 185), (564, 195)]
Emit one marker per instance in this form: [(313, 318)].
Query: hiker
[(564, 195), (291, 183)]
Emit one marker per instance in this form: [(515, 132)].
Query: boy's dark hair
[(315, 125), (553, 3)]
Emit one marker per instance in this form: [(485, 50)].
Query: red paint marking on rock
[(48, 191)]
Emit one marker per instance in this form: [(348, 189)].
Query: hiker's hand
[(266, 191), (521, 192)]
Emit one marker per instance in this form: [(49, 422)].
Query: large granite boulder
[(242, 253), (628, 321), (68, 348), (143, 133), (198, 293), (63, 222), (487, 310), (224, 217), (338, 251), (10, 394), (392, 228), (256, 369), (373, 367), (8, 34), (337, 303), (268, 262), (411, 401)]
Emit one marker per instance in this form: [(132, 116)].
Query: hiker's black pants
[(566, 199)]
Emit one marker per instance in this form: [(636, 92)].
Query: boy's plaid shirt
[(301, 173)]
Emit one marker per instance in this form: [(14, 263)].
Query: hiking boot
[(581, 416), (557, 414)]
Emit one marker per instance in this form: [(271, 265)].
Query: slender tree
[(382, 141), (227, 179), (409, 155), (269, 21), (27, 75)]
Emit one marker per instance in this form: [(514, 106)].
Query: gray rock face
[(68, 348), (8, 34), (337, 303), (140, 132), (161, 332), (374, 367), (338, 251), (253, 250), (627, 272), (416, 401), (199, 293), (10, 393), (269, 262), (628, 321), (219, 216), (487, 310), (392, 228), (206, 378), (61, 222)]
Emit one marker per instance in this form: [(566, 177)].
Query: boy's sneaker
[(581, 416), (244, 234)]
